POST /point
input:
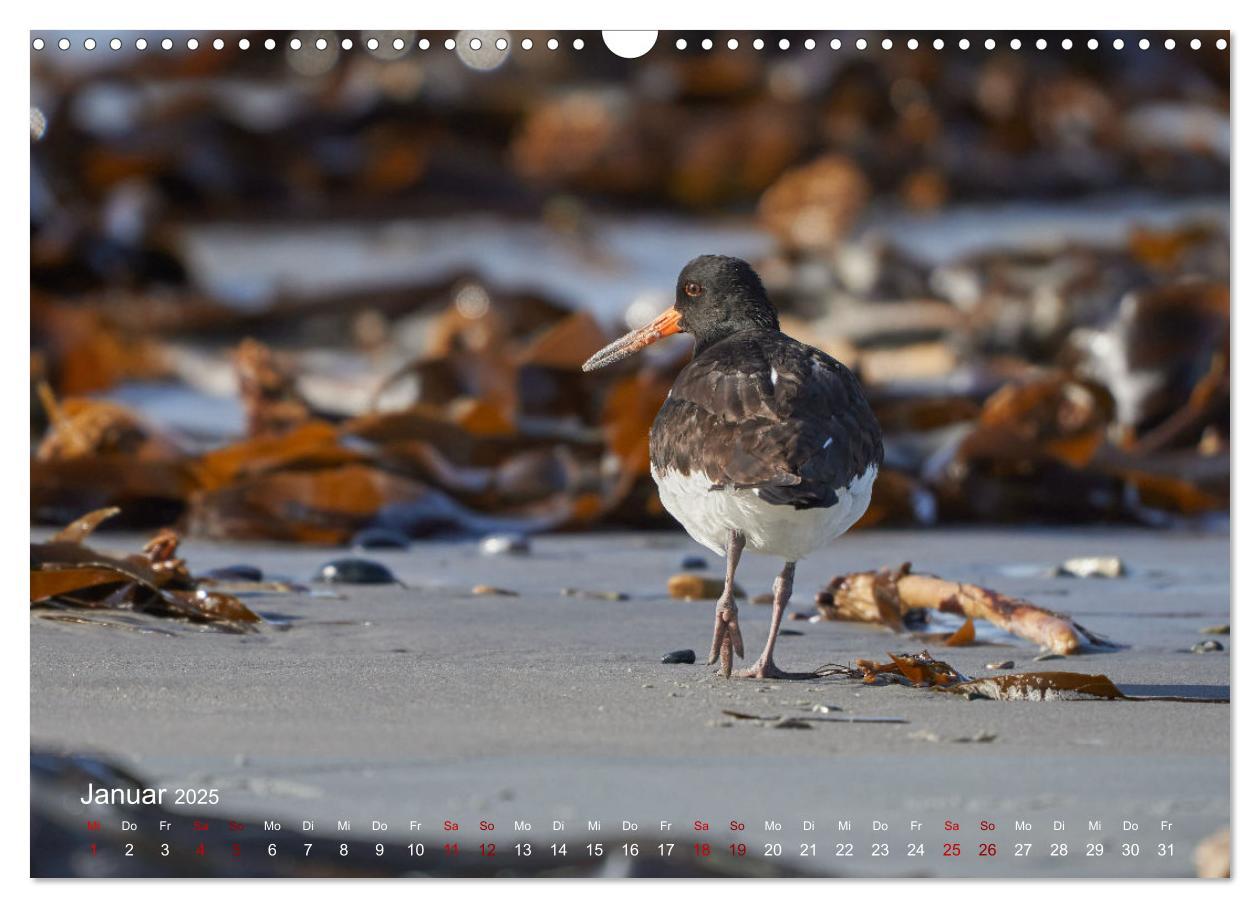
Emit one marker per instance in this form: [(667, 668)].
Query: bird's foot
[(727, 639), (766, 669)]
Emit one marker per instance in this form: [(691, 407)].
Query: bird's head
[(716, 296)]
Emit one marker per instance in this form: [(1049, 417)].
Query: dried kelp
[(65, 572), (886, 596), (921, 670)]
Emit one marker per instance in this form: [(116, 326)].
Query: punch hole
[(989, 44), (89, 44), (217, 44), (810, 44), (630, 45), (482, 50)]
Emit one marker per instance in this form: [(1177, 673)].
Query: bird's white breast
[(708, 515)]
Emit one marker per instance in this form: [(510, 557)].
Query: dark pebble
[(379, 538), (694, 563), (790, 633), (354, 570), (680, 657), (246, 572), (1207, 646)]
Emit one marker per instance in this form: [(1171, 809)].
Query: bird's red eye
[(691, 288)]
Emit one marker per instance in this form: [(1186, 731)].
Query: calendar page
[(578, 454)]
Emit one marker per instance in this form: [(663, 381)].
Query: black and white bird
[(764, 444)]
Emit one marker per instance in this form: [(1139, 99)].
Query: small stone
[(797, 616), (1216, 630), (787, 632), (1207, 646), (1212, 856), (482, 589), (980, 737), (763, 599), (924, 734), (679, 657), (997, 666), (825, 708), (1108, 566), (354, 570), (379, 538), (693, 586), (606, 595), (244, 572), (694, 563), (792, 723), (1046, 657), (505, 544)]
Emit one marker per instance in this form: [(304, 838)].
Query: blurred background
[(299, 286)]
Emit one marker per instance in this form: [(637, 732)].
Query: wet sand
[(427, 703)]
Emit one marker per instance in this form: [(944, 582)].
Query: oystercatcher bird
[(764, 444)]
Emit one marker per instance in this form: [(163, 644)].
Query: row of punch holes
[(625, 44)]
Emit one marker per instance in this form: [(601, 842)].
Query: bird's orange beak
[(667, 323)]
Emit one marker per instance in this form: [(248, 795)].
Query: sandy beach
[(422, 702)]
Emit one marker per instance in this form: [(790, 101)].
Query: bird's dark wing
[(762, 411)]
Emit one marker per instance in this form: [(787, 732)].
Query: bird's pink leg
[(764, 667), (726, 635)]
